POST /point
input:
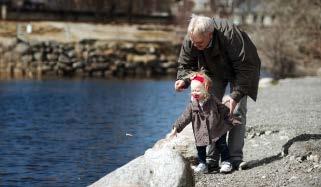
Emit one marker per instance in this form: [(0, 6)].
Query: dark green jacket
[(230, 56)]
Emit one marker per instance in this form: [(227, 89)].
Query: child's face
[(198, 90)]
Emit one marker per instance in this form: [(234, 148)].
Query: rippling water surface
[(73, 132)]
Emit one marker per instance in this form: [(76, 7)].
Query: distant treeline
[(90, 10)]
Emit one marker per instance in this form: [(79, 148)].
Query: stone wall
[(87, 58)]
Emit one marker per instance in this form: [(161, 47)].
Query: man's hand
[(179, 85), (231, 104)]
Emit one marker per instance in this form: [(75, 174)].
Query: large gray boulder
[(184, 143), (159, 166)]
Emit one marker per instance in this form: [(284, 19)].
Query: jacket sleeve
[(187, 61), (184, 119), (223, 110), (235, 47)]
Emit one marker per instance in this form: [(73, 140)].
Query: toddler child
[(210, 122)]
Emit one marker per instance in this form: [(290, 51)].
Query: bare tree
[(184, 11), (292, 44)]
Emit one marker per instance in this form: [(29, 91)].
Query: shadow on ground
[(285, 150)]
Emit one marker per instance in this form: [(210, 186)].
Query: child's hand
[(235, 120), (172, 134)]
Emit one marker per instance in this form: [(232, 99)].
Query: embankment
[(87, 58)]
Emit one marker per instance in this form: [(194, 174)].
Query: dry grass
[(8, 29), (73, 32)]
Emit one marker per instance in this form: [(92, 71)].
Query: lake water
[(73, 132)]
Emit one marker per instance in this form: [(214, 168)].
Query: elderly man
[(227, 55)]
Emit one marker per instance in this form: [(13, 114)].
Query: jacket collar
[(196, 106)]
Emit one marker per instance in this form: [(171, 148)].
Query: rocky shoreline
[(87, 58), (282, 146)]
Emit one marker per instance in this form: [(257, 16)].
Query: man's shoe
[(226, 167), (200, 168), (239, 165)]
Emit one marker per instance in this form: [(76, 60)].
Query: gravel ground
[(283, 140)]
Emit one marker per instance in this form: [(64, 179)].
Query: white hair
[(200, 25)]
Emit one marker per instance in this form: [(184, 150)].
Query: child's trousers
[(221, 146)]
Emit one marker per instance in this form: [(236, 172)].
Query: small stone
[(299, 159), (64, 59), (38, 56), (251, 136), (309, 170), (26, 58), (313, 158), (71, 54), (284, 137), (52, 56), (45, 68), (21, 48), (77, 65), (79, 72), (108, 73), (317, 166), (293, 178), (268, 132)]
